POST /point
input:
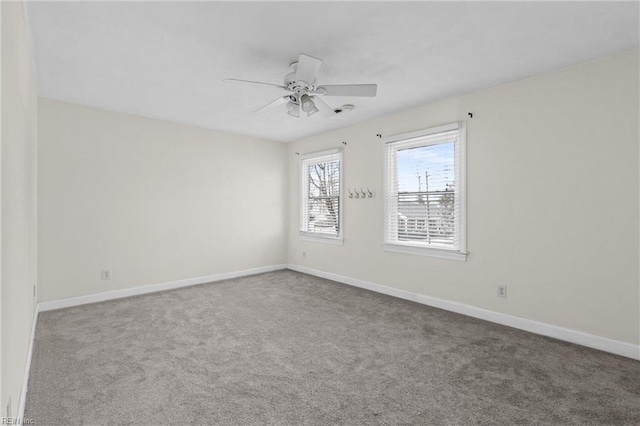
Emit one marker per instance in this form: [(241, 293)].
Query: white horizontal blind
[(423, 206), (320, 203)]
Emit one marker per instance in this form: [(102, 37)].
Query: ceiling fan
[(304, 95)]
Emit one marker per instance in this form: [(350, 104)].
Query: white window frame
[(408, 247), (314, 236)]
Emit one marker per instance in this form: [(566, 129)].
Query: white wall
[(18, 199), (552, 201), (152, 201)]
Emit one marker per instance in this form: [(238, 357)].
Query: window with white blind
[(425, 192), (321, 200)]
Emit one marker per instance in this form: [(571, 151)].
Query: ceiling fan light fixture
[(293, 109), (307, 103), (312, 111)]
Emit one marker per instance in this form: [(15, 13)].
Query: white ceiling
[(167, 60)]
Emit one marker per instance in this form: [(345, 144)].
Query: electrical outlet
[(106, 274), (502, 291)]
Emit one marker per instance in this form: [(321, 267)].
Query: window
[(321, 201), (425, 193)]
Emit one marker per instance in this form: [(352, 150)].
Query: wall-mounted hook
[(344, 143), (470, 114), (356, 193), (297, 153), (350, 193), (379, 135), (370, 194), (362, 192)]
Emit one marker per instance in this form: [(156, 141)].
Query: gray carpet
[(288, 348)]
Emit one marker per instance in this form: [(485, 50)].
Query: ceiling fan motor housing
[(298, 87)]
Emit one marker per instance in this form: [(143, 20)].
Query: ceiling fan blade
[(369, 90), (323, 107), (276, 102), (307, 68), (253, 82)]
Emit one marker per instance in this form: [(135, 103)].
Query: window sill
[(427, 251), (337, 241)]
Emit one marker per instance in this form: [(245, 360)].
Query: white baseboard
[(27, 367), (134, 291), (568, 335)]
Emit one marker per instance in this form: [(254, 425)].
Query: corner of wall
[(18, 198)]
